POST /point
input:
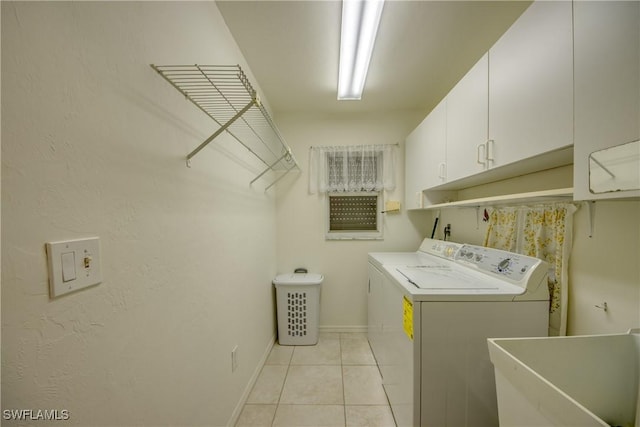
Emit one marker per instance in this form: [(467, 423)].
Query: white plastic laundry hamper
[(298, 306)]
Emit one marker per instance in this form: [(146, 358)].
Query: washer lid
[(298, 279), (445, 280)]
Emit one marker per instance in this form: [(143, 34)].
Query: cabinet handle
[(481, 159), (442, 171), (490, 150)]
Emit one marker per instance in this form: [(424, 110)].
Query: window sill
[(354, 236)]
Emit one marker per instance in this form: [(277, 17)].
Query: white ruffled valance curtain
[(545, 232), (352, 168)]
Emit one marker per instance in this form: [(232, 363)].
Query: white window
[(354, 178), (354, 216)]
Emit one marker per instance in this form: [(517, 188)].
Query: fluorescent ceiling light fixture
[(360, 20)]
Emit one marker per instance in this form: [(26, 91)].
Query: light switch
[(73, 265), (68, 266)]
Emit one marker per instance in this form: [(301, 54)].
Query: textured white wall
[(301, 216), (94, 144), (605, 267)]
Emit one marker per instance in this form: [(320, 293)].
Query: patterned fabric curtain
[(544, 232), (357, 168)]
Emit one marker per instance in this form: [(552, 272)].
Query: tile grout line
[(283, 383), (344, 398), (342, 339)]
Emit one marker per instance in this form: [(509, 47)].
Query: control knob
[(504, 264)]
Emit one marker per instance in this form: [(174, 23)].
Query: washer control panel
[(441, 248), (508, 264)]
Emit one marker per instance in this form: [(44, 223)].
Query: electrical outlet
[(234, 359)]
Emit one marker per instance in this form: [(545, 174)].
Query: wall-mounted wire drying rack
[(224, 93)]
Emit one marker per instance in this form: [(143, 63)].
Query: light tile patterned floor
[(334, 383)]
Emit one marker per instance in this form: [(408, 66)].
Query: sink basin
[(568, 381)]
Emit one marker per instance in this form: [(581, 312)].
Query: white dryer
[(430, 314)]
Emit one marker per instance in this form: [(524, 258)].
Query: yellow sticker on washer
[(407, 317)]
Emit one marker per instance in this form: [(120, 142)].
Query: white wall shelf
[(565, 194), (224, 93)]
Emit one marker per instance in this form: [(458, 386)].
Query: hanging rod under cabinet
[(224, 93)]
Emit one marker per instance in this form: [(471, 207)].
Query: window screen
[(353, 213)]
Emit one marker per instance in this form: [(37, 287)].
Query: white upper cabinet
[(425, 161), (531, 85), (510, 115), (435, 162), (467, 123), (414, 172), (607, 88)]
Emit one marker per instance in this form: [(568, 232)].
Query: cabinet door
[(467, 122), (607, 84), (435, 161), (531, 85), (414, 172), (425, 156)]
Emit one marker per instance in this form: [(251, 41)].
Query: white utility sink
[(568, 381)]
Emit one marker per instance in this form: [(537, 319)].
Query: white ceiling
[(423, 48)]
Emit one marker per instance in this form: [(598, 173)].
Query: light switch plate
[(86, 265)]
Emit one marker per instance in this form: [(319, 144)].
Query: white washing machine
[(430, 314)]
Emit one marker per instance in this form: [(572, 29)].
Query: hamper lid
[(298, 279)]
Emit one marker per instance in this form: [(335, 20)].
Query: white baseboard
[(344, 329), (252, 381)]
